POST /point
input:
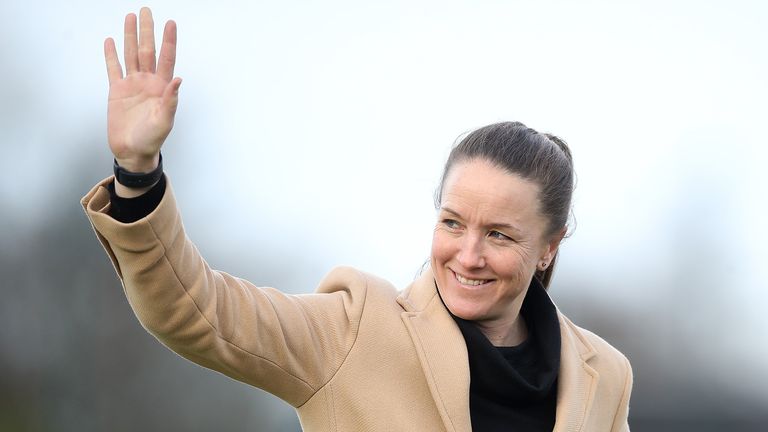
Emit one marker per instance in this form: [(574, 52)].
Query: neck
[(504, 333)]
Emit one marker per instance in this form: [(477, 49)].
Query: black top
[(511, 388), (515, 388), (132, 209)]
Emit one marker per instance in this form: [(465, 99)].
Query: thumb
[(170, 99)]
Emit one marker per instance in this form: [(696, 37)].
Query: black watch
[(138, 180)]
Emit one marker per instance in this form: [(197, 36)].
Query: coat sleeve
[(288, 345)]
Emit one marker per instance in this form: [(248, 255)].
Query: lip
[(482, 285)]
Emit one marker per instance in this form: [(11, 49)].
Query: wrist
[(139, 165), (126, 192), (141, 181)]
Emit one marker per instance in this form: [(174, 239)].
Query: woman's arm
[(287, 345)]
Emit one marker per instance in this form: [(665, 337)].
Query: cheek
[(517, 265), (519, 271), (441, 247)]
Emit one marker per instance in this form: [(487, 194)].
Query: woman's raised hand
[(142, 103)]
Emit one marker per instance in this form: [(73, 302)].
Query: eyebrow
[(491, 225)]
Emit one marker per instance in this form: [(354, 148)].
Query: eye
[(450, 224), (499, 236)]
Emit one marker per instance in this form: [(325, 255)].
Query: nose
[(471, 254)]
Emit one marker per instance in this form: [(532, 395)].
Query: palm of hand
[(137, 119)]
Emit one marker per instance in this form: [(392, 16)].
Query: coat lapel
[(577, 381), (441, 350), (443, 357)]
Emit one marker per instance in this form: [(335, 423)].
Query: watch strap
[(138, 180)]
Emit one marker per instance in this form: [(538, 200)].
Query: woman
[(474, 343)]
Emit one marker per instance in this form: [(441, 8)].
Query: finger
[(131, 48), (146, 41), (114, 70), (171, 97), (167, 60)]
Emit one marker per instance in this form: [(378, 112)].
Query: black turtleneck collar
[(516, 387)]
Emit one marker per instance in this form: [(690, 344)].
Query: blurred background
[(312, 134)]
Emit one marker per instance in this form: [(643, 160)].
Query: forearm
[(256, 335), (156, 262)]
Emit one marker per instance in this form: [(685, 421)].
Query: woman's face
[(488, 241)]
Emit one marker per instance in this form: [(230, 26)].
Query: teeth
[(473, 282)]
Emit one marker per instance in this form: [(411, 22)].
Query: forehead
[(486, 192)]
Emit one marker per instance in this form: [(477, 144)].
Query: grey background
[(312, 134)]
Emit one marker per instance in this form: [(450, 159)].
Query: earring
[(543, 265)]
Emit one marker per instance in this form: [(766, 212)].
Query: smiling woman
[(487, 246), (475, 343)]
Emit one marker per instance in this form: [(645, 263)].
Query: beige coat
[(357, 355)]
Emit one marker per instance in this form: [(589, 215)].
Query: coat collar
[(443, 357), (441, 350), (577, 381)]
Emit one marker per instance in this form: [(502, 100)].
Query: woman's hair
[(538, 157)]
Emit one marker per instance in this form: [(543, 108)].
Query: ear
[(552, 245)]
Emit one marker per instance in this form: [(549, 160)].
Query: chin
[(463, 303), (464, 309)]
